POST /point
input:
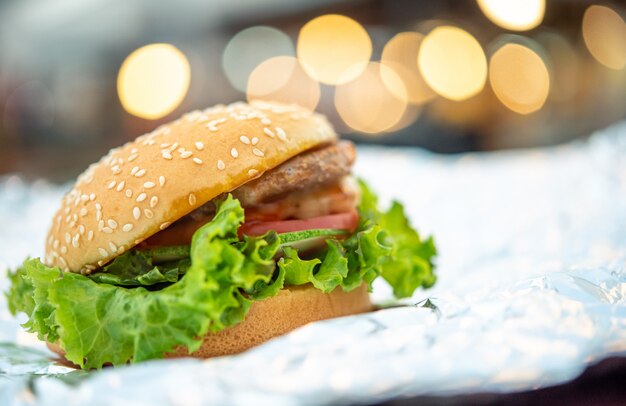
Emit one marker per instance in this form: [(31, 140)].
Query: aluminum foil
[(531, 290)]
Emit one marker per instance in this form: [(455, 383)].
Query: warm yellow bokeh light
[(516, 15), (519, 78), (283, 79), (604, 32), (153, 81), (400, 54), (367, 105), (334, 49), (453, 63)]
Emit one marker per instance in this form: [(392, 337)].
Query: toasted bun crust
[(291, 308), (145, 185)]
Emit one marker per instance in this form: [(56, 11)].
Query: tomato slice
[(343, 221)]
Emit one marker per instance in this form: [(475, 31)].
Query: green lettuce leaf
[(389, 244), (135, 268), (98, 323)]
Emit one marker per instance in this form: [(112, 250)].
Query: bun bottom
[(293, 307)]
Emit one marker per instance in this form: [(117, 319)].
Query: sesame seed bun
[(293, 307), (145, 185)]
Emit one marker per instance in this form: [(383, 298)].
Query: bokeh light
[(566, 80), (604, 32), (283, 79), (334, 49), (453, 63), (516, 15), (153, 80), (367, 105), (250, 47), (400, 53), (519, 78)]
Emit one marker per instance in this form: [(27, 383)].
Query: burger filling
[(312, 191)]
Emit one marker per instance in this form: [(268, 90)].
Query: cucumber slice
[(308, 234)]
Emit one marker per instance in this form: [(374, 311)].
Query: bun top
[(143, 186)]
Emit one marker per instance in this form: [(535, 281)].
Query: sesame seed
[(98, 206), (199, 145), (84, 198), (136, 213), (161, 180), (90, 235), (127, 227), (192, 199), (100, 225), (113, 247), (255, 140), (266, 121), (129, 193), (111, 185), (197, 160), (112, 223), (120, 249), (165, 145), (81, 229), (64, 250), (56, 244), (212, 125), (134, 170), (234, 153), (165, 225), (141, 197), (186, 154), (253, 172), (153, 201), (220, 165), (116, 169), (103, 252), (132, 157), (121, 186), (258, 152), (281, 134), (75, 243), (268, 132), (67, 237), (166, 154), (134, 151), (83, 212), (140, 173), (98, 215), (244, 140), (173, 147), (107, 230), (148, 213), (149, 185)]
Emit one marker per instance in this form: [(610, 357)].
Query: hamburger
[(210, 235)]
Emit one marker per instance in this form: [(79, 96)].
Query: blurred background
[(78, 77)]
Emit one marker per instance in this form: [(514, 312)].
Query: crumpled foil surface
[(531, 290)]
